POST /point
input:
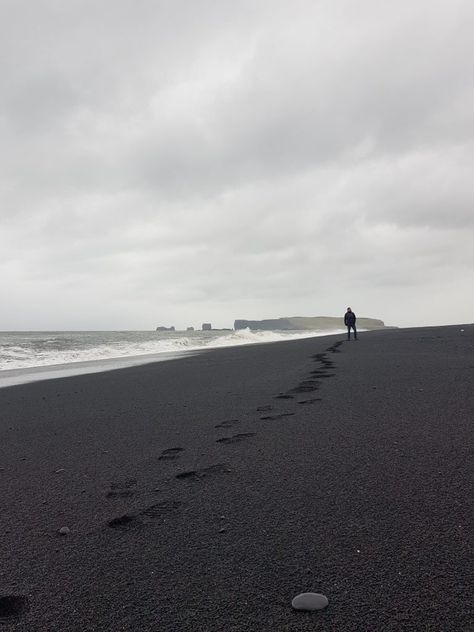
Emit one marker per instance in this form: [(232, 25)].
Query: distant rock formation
[(206, 326), (161, 328), (189, 328), (303, 323)]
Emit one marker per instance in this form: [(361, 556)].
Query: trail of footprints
[(12, 607), (309, 385), (126, 487)]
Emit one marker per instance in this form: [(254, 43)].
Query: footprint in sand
[(227, 424), (218, 468), (283, 396), (157, 510), (334, 347), (310, 401), (319, 373), (306, 387), (160, 509), (122, 522), (170, 454), (236, 438), (274, 417), (122, 489), (321, 358)]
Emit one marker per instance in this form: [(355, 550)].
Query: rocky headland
[(306, 323)]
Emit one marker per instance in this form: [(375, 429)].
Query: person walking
[(350, 323)]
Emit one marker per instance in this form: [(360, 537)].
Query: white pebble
[(64, 530), (309, 601)]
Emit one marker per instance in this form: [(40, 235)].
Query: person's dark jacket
[(349, 319)]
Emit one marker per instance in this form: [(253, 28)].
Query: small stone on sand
[(309, 601), (64, 530)]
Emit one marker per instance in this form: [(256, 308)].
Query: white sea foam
[(246, 336)]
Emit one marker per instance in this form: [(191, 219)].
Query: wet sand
[(203, 494)]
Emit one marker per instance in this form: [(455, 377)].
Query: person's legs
[(348, 332), (355, 331)]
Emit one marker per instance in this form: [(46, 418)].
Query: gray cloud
[(178, 161)]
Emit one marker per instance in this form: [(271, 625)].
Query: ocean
[(29, 356)]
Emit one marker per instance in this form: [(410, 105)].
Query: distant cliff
[(303, 323)]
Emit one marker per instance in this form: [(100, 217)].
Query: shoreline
[(205, 493), (25, 375)]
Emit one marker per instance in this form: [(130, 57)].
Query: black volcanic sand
[(203, 494)]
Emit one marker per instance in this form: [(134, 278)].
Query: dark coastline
[(364, 493)]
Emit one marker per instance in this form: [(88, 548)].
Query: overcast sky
[(180, 161)]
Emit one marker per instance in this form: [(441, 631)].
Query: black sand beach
[(203, 494)]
